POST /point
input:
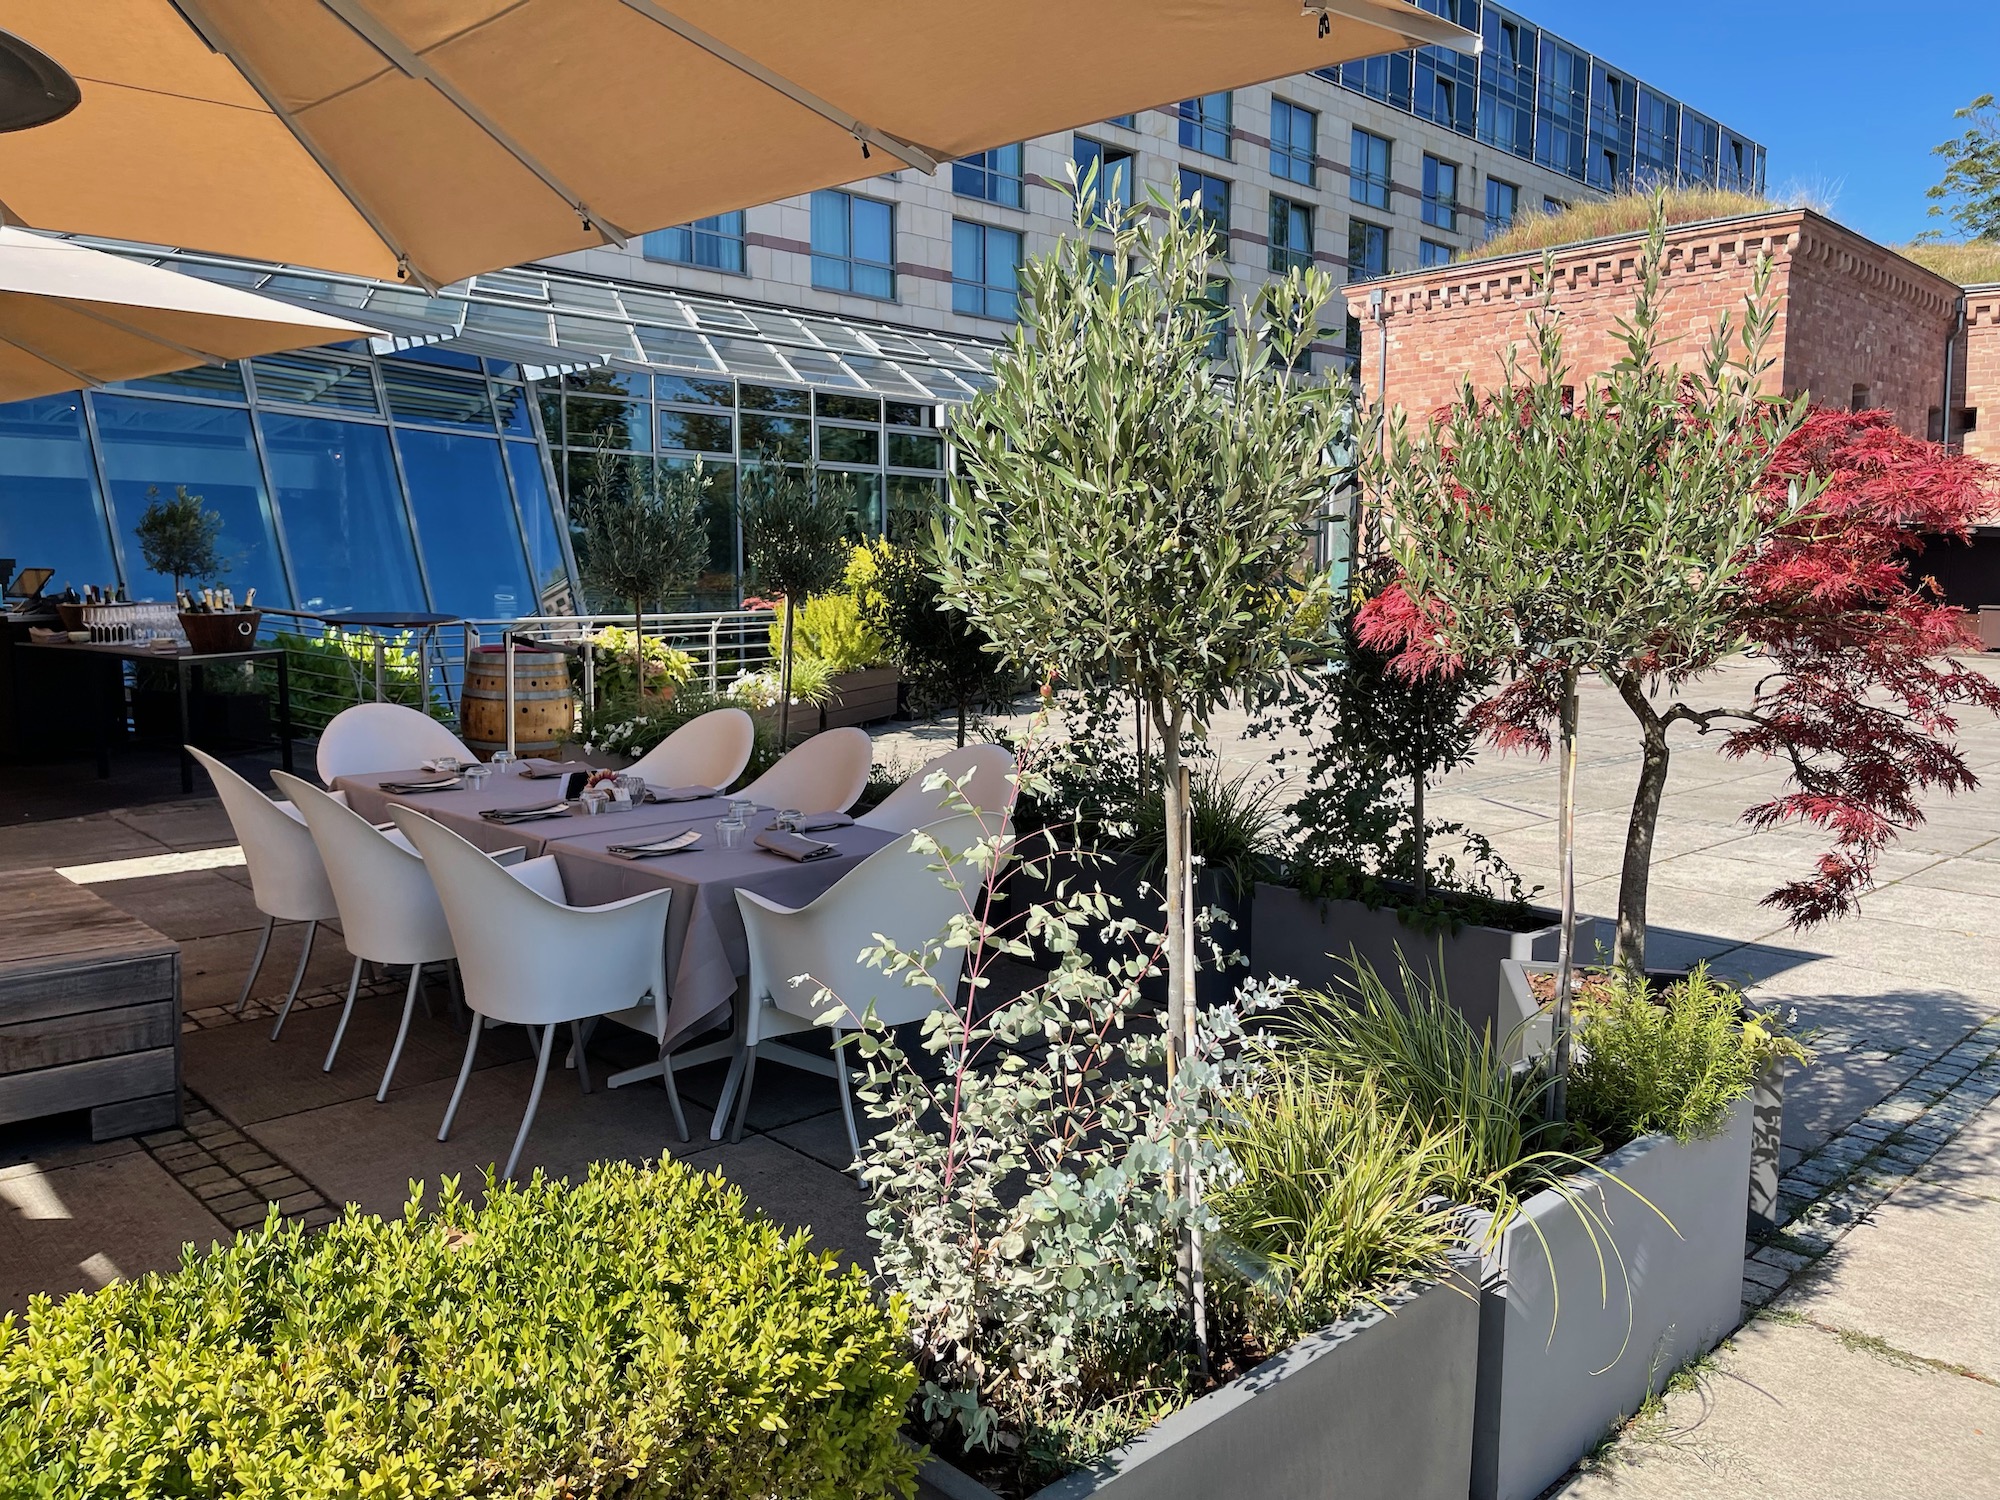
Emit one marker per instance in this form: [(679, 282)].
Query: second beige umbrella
[(441, 138), (72, 317)]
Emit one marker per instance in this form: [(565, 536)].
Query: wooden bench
[(90, 1009)]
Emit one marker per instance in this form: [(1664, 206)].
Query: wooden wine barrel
[(544, 707)]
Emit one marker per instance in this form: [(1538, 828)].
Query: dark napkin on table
[(548, 770), (678, 793), (686, 839), (820, 822), (792, 846), (525, 814), (436, 784)]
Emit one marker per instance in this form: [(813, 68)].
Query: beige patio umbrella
[(72, 317), (440, 138)]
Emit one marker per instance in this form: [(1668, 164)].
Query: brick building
[(1858, 324), (1978, 374)]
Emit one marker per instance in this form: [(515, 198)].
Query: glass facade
[(1537, 97)]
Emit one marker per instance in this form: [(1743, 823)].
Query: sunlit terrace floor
[(1876, 1351)]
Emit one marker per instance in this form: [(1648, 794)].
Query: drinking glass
[(634, 787), (788, 819), (475, 775), (730, 832), (503, 762)]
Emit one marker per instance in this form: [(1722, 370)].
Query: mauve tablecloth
[(706, 950)]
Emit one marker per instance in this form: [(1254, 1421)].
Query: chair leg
[(263, 947), (402, 1031), (846, 1095), (353, 981), (534, 1096), (743, 1094), (346, 1011), (673, 1094), (305, 957), (464, 1072), (578, 1035), (730, 1083)]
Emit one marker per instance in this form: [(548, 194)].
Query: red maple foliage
[(1862, 694)]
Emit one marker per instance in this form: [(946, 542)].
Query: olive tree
[(1130, 509), (796, 538), (643, 542)]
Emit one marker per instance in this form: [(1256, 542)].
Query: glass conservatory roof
[(553, 322)]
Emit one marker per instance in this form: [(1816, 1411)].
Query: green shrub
[(617, 681), (336, 670), (830, 627), (638, 1335), (1672, 1062)]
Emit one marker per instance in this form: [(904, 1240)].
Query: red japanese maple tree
[(1861, 695)]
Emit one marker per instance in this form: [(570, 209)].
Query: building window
[(1440, 193), (1220, 295), (1291, 235), (1553, 205), (1205, 124), (1368, 181), (1213, 206), (715, 242), (994, 176), (1503, 202), (1294, 142), (1367, 250), (1857, 399), (853, 245), (1506, 114), (984, 263), (1124, 122), (1562, 110), (1431, 253), (1113, 166)]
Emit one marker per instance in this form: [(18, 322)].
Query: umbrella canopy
[(71, 317), (441, 138)]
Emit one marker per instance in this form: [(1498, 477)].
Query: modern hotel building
[(427, 469)]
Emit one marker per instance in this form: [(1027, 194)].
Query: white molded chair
[(711, 750), (530, 958), (898, 891), (389, 911), (980, 773), (287, 877), (383, 737), (825, 774)]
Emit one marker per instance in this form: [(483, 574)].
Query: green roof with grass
[(1973, 263)]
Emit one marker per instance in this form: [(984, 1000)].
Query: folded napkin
[(548, 770), (686, 839), (791, 846), (678, 793), (820, 822), (437, 784), (525, 814)]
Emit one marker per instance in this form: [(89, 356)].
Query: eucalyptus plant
[(1129, 509), (796, 526), (643, 541), (1565, 523)]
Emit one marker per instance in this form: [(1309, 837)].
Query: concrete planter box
[(1376, 1406), (863, 697), (1310, 941), (1551, 1386)]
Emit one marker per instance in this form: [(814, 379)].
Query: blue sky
[(1849, 98)]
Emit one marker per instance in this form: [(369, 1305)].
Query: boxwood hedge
[(637, 1335)]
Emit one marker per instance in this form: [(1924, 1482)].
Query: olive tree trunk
[(1180, 1000), (1634, 877), (785, 683), (1566, 939)]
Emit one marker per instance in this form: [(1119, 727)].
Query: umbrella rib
[(392, 48), (923, 158), (49, 359), (197, 16)]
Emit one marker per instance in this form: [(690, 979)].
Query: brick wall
[(1981, 372), (1851, 313)]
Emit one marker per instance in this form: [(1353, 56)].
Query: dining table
[(707, 952)]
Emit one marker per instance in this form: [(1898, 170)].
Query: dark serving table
[(110, 659)]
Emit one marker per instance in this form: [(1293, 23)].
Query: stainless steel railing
[(335, 663)]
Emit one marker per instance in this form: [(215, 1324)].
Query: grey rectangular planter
[(1377, 1407), (1554, 1380), (1310, 941)]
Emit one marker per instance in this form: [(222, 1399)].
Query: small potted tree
[(795, 539), (643, 543), (947, 661), (182, 538)]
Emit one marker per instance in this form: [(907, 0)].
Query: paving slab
[(78, 1227), (213, 968), (187, 904), (1791, 1412), (201, 823), (72, 841)]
